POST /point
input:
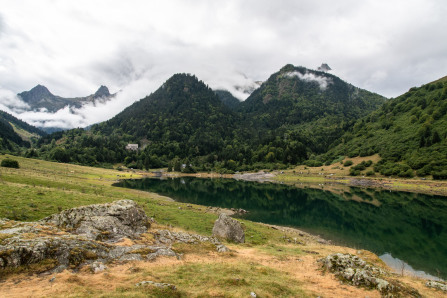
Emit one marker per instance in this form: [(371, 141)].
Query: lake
[(394, 225)]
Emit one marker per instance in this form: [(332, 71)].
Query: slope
[(311, 108), (409, 132), (14, 132), (182, 118)]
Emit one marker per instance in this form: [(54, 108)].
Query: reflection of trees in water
[(410, 226)]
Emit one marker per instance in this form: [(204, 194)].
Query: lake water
[(396, 225)]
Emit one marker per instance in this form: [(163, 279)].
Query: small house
[(133, 147)]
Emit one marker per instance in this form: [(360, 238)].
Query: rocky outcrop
[(437, 285), (103, 221), (355, 271), (87, 235), (230, 229)]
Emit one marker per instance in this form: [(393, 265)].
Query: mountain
[(311, 107), (184, 117), (14, 132), (40, 97), (408, 132), (293, 116), (227, 99)]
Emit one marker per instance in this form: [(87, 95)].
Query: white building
[(133, 147)]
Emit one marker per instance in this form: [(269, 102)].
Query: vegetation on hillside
[(288, 120), (408, 132)]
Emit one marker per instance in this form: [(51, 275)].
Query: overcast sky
[(72, 47)]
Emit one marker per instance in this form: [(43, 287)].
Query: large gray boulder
[(110, 221), (230, 229)]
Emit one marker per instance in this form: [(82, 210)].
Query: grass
[(265, 264)]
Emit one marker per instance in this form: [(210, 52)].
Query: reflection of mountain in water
[(411, 227)]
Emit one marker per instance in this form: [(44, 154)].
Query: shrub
[(354, 172), (370, 173), (441, 175), (313, 163), (10, 163), (348, 163)]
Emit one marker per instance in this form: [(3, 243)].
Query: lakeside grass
[(267, 263)]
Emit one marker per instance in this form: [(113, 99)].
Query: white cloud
[(11, 103), (322, 82), (72, 47)]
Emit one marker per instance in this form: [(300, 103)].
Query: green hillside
[(289, 119), (15, 133), (409, 132)]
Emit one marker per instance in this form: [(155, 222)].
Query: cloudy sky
[(72, 47)]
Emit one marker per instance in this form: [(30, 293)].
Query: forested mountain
[(312, 108), (40, 97), (295, 115), (228, 99), (409, 133), (15, 133)]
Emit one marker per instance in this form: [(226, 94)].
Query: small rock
[(253, 294), (156, 284), (437, 285), (98, 267), (222, 248)]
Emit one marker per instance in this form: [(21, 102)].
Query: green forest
[(298, 116)]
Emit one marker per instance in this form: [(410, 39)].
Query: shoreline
[(418, 186)]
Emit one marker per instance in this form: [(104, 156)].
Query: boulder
[(110, 221), (230, 229)]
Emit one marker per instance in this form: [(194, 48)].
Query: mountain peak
[(324, 67), (36, 94), (103, 91)]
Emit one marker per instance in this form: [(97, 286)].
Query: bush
[(10, 163), (370, 173), (348, 163), (441, 175), (354, 172), (313, 163)]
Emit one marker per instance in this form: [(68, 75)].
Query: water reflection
[(411, 227)]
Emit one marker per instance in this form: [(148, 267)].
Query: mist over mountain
[(52, 113), (294, 115)]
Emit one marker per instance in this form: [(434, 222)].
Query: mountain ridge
[(39, 97)]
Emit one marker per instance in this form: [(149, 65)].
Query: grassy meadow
[(274, 262)]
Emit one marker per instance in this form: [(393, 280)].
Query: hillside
[(409, 132), (228, 99), (311, 107), (15, 133), (287, 120)]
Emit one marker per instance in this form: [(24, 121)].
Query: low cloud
[(323, 82), (11, 103)]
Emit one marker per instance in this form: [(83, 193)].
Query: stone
[(354, 270), (437, 285), (230, 229), (110, 221), (156, 284), (98, 267), (253, 294), (222, 248)]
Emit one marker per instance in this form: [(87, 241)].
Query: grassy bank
[(272, 263), (337, 175)]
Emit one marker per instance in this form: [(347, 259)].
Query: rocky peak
[(324, 67), (36, 94), (103, 91)]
